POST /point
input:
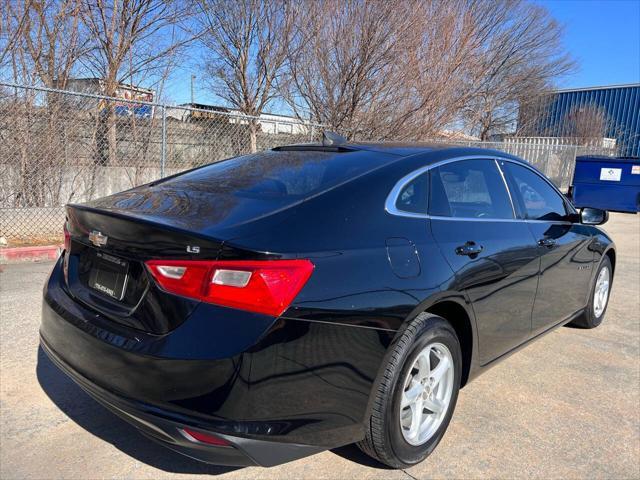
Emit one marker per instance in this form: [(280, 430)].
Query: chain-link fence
[(58, 147)]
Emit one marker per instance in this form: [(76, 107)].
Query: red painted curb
[(30, 254)]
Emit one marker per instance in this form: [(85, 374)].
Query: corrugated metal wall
[(621, 103)]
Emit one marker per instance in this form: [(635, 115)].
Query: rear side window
[(281, 176), (538, 199), (469, 189), (413, 197)]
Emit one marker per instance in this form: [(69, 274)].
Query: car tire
[(389, 436), (595, 312)]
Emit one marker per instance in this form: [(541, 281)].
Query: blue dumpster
[(608, 183)]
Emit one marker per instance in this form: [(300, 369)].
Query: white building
[(268, 122), (129, 95)]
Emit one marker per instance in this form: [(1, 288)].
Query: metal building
[(620, 103)]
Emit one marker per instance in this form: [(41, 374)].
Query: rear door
[(492, 253), (566, 259)]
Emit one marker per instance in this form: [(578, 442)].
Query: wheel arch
[(611, 253), (458, 317), (455, 309)]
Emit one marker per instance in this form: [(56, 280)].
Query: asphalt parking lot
[(567, 406)]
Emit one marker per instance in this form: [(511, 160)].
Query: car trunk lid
[(106, 271)]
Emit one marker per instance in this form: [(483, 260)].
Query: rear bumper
[(163, 383), (159, 426), (276, 390)]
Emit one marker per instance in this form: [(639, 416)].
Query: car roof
[(399, 148), (394, 148), (428, 153)]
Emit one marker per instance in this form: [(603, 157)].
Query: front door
[(492, 253), (566, 260)]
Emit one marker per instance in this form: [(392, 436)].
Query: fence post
[(163, 146)]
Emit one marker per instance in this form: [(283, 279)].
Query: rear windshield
[(278, 175)]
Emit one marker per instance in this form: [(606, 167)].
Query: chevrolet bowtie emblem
[(97, 238)]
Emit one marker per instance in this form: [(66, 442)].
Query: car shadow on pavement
[(354, 454), (99, 421)]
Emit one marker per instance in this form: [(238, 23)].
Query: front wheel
[(416, 397), (599, 297)]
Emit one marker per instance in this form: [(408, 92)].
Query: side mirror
[(593, 216)]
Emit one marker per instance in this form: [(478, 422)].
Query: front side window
[(469, 189), (538, 199)]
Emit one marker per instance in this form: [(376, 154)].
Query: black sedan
[(270, 306)]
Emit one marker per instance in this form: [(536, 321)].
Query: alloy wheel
[(601, 293), (426, 395)]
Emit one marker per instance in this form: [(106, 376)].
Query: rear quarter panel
[(326, 352), (349, 237)]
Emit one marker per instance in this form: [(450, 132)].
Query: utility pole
[(193, 77)]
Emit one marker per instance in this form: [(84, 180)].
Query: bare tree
[(41, 45), (43, 40), (130, 40), (444, 65), (520, 58), (586, 124), (347, 65), (246, 44), (383, 69), (581, 124), (342, 61), (11, 25), (409, 68)]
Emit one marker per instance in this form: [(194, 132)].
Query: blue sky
[(602, 35)]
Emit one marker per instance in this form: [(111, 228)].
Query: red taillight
[(67, 249), (263, 286), (195, 436), (67, 237)]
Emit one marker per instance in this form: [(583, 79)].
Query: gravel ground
[(567, 406)]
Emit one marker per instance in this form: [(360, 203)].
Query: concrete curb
[(30, 254)]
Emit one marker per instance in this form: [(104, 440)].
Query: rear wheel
[(599, 298), (417, 395)]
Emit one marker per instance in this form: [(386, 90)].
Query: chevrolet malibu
[(270, 306)]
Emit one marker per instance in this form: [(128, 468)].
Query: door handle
[(546, 242), (471, 249)]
